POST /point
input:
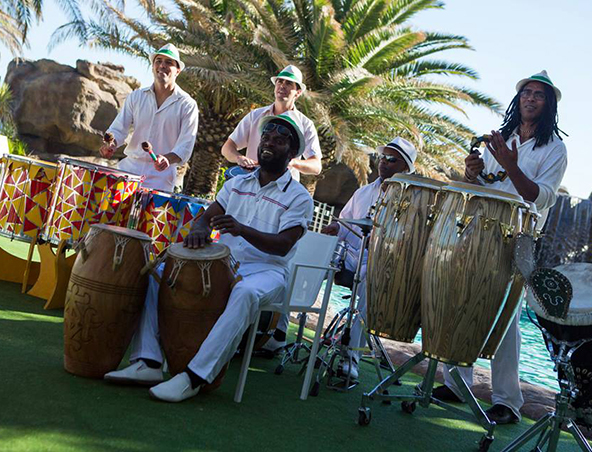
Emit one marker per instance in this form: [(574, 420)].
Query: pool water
[(536, 366)]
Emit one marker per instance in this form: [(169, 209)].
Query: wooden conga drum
[(515, 295), (467, 270), (104, 301), (194, 291), (402, 225)]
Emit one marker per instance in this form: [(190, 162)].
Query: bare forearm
[(526, 188), (230, 152), (275, 244), (311, 166)]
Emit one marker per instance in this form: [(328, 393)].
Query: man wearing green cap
[(163, 115), (288, 87), (526, 157), (261, 216)]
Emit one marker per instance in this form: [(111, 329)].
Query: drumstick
[(147, 147), (340, 221)]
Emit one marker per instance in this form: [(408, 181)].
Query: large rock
[(59, 109)]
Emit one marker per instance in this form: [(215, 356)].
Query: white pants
[(247, 296), (358, 336), (505, 380), (156, 180)]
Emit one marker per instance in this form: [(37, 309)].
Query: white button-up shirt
[(246, 135), (170, 128), (544, 165), (358, 206), (280, 205)]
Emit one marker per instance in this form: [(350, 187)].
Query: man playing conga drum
[(396, 157), (163, 115), (526, 157), (289, 87), (261, 216)]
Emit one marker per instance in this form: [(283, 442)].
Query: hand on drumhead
[(474, 164), (246, 162), (107, 150), (161, 163), (506, 157), (330, 229), (198, 237), (226, 224)]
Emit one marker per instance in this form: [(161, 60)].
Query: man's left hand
[(506, 157), (161, 163), (227, 224)]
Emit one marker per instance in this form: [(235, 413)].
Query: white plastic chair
[(308, 269)]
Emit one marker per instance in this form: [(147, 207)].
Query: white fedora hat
[(170, 51), (542, 77), (405, 148), (291, 73)]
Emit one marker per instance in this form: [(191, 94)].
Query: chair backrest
[(322, 216), (313, 249)]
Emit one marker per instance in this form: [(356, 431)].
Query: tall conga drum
[(513, 302), (402, 224), (467, 270), (104, 300), (194, 290), (576, 325)]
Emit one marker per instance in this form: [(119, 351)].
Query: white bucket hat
[(403, 147), (542, 77), (291, 73), (170, 51), (293, 121)]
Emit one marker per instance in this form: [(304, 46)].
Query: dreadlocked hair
[(547, 125)]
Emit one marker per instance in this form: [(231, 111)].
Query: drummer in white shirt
[(163, 115), (526, 157), (396, 157)]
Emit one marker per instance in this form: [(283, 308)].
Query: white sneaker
[(176, 389), (345, 369), (273, 345), (137, 373)]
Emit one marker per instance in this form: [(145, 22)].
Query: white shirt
[(246, 135), (544, 165), (358, 206), (170, 128), (280, 205)]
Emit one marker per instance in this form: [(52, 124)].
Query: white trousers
[(156, 180), (248, 295), (505, 381), (358, 336)]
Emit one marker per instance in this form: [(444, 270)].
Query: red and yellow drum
[(87, 194), (25, 196)]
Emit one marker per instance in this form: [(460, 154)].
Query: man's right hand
[(331, 229), (246, 162), (107, 150), (198, 237), (474, 164)]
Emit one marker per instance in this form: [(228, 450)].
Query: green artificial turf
[(43, 408)]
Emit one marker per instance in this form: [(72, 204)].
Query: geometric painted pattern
[(166, 217), (25, 194), (87, 194)]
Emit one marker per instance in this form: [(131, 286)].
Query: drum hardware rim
[(446, 360), (415, 180), (391, 337)]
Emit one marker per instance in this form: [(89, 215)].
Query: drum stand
[(423, 395), (549, 426)]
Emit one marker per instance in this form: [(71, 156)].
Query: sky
[(512, 39)]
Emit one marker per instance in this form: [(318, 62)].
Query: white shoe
[(273, 345), (176, 389), (345, 369), (137, 373)]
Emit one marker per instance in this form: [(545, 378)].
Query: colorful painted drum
[(513, 302), (467, 270), (86, 194), (402, 223), (105, 297), (165, 217), (25, 196), (194, 290)]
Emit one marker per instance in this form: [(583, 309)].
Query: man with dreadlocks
[(526, 157)]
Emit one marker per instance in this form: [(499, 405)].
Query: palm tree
[(370, 75)]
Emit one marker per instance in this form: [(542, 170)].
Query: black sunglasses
[(390, 158), (282, 130)]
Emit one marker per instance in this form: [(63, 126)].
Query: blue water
[(536, 366)]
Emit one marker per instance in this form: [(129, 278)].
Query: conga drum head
[(414, 179), (132, 233), (484, 192), (210, 252)]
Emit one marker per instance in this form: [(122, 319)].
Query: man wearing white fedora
[(526, 157), (398, 156), (162, 114)]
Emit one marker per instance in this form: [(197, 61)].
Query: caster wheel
[(364, 416), (386, 402), (484, 443), (408, 407), (279, 370), (314, 391)]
